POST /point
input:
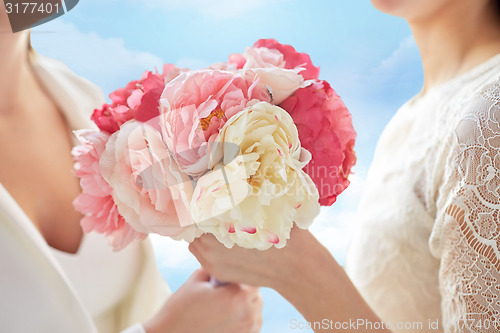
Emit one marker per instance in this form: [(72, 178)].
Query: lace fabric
[(426, 254), (469, 221)]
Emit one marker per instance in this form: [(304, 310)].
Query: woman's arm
[(466, 233), (304, 272)]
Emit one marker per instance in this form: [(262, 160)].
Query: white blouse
[(426, 253), (45, 290)]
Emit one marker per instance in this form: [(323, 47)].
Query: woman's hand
[(199, 306), (269, 268)]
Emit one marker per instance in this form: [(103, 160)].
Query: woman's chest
[(35, 167)]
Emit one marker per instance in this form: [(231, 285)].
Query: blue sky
[(370, 59)]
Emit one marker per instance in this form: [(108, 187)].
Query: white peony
[(254, 196)]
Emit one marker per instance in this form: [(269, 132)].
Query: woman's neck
[(456, 40), (16, 73), (17, 77)]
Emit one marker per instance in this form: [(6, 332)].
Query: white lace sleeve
[(468, 219)]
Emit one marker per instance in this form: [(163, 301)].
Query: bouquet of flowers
[(242, 149)]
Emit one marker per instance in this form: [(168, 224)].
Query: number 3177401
[(31, 7)]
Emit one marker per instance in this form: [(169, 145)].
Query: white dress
[(44, 290), (426, 253)]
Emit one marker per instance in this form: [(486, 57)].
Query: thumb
[(199, 275)]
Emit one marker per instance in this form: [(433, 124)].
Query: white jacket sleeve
[(137, 328)]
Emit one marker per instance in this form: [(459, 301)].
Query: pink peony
[(262, 57), (326, 130), (148, 189), (281, 83), (291, 57), (96, 202), (138, 100), (237, 59), (195, 106)]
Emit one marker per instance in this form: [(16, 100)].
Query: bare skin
[(35, 167), (453, 36), (37, 160)]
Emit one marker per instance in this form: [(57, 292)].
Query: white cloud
[(401, 72), (192, 63), (217, 9), (173, 254), (405, 55), (105, 61)]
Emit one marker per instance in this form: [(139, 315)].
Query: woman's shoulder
[(480, 86), (53, 69), (479, 113), (76, 96)]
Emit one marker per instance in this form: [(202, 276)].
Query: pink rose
[(138, 100), (326, 130), (96, 202), (148, 189), (291, 57), (195, 106)]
